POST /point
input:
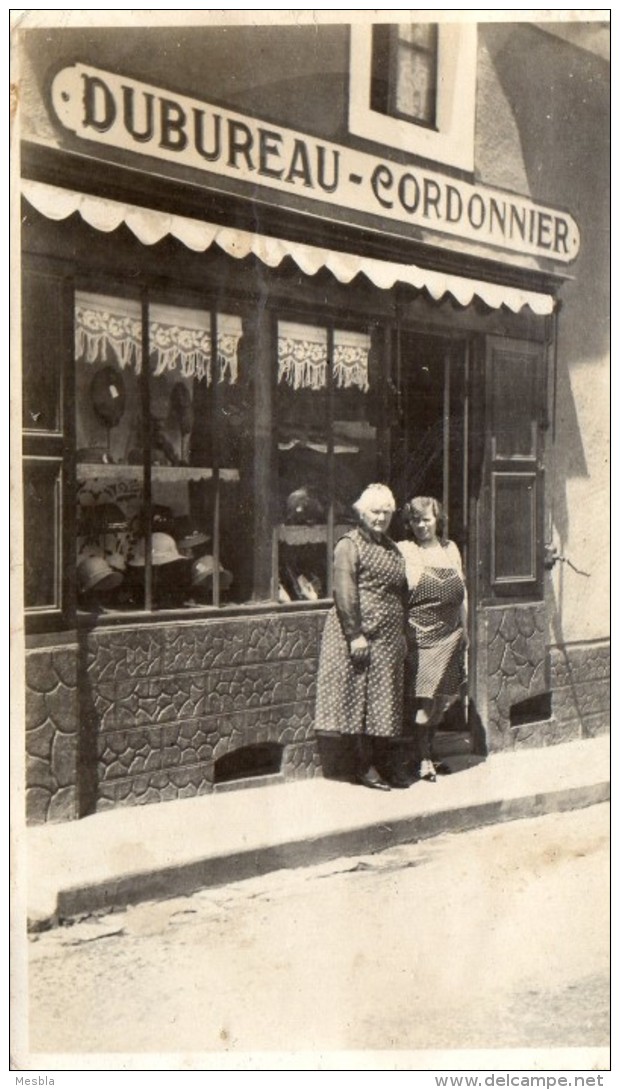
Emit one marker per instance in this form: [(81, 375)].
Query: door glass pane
[(418, 418), (109, 441), (514, 539), (514, 405)]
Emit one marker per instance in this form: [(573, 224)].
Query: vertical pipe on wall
[(264, 467), (146, 455), (551, 393), (446, 437), (330, 459), (465, 455), (215, 460)]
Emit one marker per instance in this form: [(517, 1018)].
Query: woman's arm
[(347, 598)]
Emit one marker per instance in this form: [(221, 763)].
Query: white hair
[(372, 494)]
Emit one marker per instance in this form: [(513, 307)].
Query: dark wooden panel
[(42, 534)]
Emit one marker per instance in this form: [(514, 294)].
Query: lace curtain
[(179, 338), (302, 357)]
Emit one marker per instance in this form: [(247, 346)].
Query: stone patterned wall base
[(164, 704), (51, 721), (581, 682), (514, 664), (158, 706)]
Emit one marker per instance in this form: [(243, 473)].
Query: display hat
[(193, 539), (161, 519), (163, 551), (117, 561), (302, 506), (107, 393), (103, 518), (94, 571), (187, 534), (203, 569)]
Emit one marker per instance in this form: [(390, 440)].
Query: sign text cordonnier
[(136, 117)]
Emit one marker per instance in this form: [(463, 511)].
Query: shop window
[(404, 71), (159, 451), (327, 449), (412, 87), (213, 477)]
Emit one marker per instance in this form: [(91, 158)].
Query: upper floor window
[(412, 87), (404, 71)]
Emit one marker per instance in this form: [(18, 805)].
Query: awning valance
[(150, 226)]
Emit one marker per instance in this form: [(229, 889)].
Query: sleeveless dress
[(367, 701), (435, 662)]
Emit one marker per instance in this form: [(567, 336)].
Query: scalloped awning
[(150, 226)]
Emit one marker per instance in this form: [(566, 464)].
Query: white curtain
[(302, 357), (179, 338)]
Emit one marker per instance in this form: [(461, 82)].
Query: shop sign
[(125, 114)]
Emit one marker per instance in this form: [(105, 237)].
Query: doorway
[(429, 456)]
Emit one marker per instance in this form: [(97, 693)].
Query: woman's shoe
[(442, 769), (371, 778), (400, 779), (427, 771)]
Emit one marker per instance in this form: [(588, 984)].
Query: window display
[(151, 494)]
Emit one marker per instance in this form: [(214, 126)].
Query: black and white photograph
[(310, 542)]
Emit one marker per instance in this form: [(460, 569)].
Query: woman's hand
[(359, 650)]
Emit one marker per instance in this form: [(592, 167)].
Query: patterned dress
[(370, 596), (435, 666)]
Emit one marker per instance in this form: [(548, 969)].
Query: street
[(496, 938)]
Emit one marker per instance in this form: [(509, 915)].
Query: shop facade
[(244, 298)]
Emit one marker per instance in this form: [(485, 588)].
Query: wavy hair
[(371, 494), (420, 504)]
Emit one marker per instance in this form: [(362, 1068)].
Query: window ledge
[(86, 621)]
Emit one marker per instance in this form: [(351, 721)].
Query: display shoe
[(442, 769), (427, 771), (371, 778)]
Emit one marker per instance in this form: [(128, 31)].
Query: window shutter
[(514, 485)]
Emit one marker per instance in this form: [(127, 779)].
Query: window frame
[(451, 140)]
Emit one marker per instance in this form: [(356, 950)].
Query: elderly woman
[(360, 681), (436, 628)]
